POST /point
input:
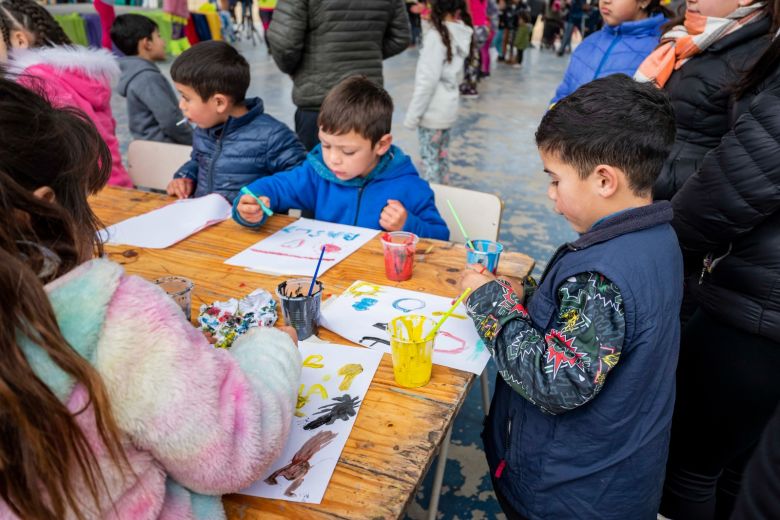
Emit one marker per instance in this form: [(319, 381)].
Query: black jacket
[(701, 94), (321, 42), (731, 207)]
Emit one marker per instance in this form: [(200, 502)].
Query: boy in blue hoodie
[(581, 416), (356, 175), (235, 141)]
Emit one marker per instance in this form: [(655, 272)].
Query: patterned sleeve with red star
[(565, 366)]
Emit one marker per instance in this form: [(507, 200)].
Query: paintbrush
[(265, 208), (181, 122), (316, 270), (460, 225), (448, 314)]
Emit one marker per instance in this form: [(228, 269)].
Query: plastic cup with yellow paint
[(411, 345)]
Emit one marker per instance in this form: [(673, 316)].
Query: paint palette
[(362, 312), (334, 381)]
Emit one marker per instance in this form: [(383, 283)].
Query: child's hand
[(250, 210), (475, 276), (290, 332), (393, 216), (181, 188)]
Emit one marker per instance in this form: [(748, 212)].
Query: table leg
[(483, 381), (438, 477)]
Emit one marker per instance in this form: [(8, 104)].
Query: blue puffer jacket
[(231, 155), (357, 202), (612, 50)]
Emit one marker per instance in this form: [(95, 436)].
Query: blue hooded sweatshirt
[(228, 156), (357, 202), (618, 49)]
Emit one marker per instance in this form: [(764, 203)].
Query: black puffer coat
[(731, 207), (701, 94), (320, 42)]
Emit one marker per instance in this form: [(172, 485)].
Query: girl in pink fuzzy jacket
[(42, 57), (112, 404)]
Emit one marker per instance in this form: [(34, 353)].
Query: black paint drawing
[(342, 408)]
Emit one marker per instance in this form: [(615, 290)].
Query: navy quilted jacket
[(228, 156), (612, 50)]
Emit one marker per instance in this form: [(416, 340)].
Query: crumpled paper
[(226, 321)]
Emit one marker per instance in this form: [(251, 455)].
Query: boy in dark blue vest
[(579, 424)]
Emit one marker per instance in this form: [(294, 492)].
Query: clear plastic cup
[(412, 349), (484, 252), (399, 254), (178, 288), (300, 311)]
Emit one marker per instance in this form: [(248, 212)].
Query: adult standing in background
[(320, 42)]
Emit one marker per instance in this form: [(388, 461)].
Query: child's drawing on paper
[(295, 249), (341, 408), (334, 382), (362, 312), (297, 469)]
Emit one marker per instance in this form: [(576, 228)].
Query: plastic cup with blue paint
[(300, 311), (484, 252), (399, 254), (411, 345)]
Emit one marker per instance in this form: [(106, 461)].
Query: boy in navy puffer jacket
[(631, 31), (235, 141), (356, 175)]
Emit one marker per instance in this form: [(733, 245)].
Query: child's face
[(616, 12), (575, 198), (351, 155), (205, 114), (715, 8), (154, 46)]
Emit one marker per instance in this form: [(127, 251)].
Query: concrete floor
[(492, 150)]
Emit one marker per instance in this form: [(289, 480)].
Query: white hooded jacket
[(436, 95)]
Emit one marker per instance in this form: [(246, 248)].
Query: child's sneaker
[(469, 92)]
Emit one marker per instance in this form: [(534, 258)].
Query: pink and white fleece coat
[(76, 77), (197, 421)]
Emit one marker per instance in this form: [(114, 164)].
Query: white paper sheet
[(164, 227), (322, 379), (295, 249), (362, 312)]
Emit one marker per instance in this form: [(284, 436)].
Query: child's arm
[(423, 218), (564, 366), (150, 89), (214, 419), (427, 76), (294, 188), (284, 151), (185, 179)]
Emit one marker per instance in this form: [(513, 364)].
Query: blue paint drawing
[(311, 233), (478, 349), (408, 304), (364, 304)]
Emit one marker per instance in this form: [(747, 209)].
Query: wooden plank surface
[(398, 431)]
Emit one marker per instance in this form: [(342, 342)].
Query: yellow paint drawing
[(326, 378), (303, 397), (359, 289), (350, 371), (314, 361)]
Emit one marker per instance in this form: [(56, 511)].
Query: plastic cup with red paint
[(399, 254)]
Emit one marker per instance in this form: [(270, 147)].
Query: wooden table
[(398, 431)]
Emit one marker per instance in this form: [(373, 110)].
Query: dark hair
[(46, 455), (213, 67), (615, 121), (5, 28), (357, 104), (33, 17), (59, 148), (129, 29), (656, 7), (439, 9)]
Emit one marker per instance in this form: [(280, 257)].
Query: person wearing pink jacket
[(43, 58), (113, 404)]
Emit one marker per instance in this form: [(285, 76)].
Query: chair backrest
[(479, 212), (152, 164)]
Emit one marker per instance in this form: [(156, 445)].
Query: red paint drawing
[(279, 253)]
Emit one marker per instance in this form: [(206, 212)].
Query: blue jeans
[(568, 29)]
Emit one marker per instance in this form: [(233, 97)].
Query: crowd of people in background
[(703, 106)]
